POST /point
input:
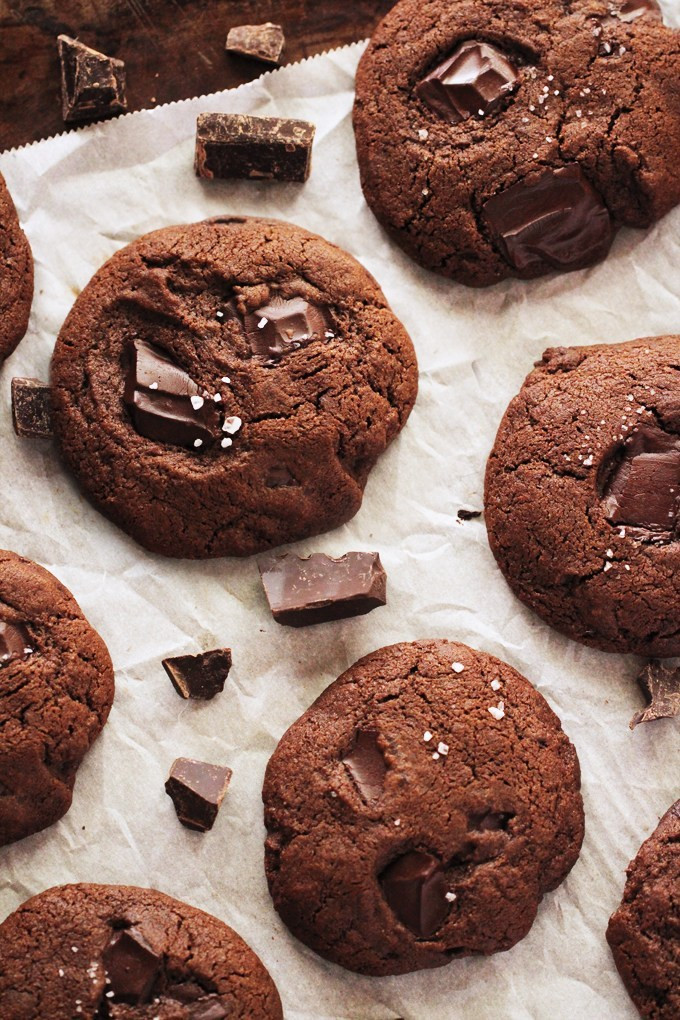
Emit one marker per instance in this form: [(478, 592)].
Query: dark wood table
[(172, 49)]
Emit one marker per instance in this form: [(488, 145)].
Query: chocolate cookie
[(119, 952), (16, 276), (644, 933), (583, 494), (224, 387), (56, 689), (419, 810), (500, 139)]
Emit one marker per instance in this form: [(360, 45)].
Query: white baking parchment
[(83, 195)]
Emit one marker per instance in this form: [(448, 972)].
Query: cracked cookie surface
[(582, 494), (111, 952), (56, 689), (295, 376), (419, 810), (16, 275), (644, 933), (594, 87)]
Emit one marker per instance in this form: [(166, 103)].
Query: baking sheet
[(83, 195)]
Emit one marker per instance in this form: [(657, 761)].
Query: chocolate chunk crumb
[(468, 515), (265, 148), (197, 790), (92, 84), (32, 408), (199, 676), (260, 42), (661, 686)]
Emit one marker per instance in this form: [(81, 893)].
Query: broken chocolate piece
[(261, 42), (32, 408), (468, 515), (15, 642), (263, 148), (553, 218), (661, 686), (642, 486), (366, 764), (199, 676), (131, 966), (314, 589), (165, 403), (415, 887), (197, 790), (471, 82), (285, 325), (92, 84)]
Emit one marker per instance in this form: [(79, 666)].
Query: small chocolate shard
[(197, 790), (471, 82), (551, 218), (131, 967), (468, 515), (366, 764), (642, 485), (415, 887), (92, 84), (285, 325), (661, 686), (15, 642), (259, 42), (199, 676), (32, 408), (315, 589), (259, 148)]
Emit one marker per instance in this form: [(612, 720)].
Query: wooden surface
[(172, 49)]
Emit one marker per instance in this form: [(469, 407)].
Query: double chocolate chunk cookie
[(224, 387), (583, 494), (644, 933), (56, 689), (117, 952), (499, 139), (419, 810), (16, 276)]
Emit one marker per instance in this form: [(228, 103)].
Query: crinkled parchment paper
[(83, 195)]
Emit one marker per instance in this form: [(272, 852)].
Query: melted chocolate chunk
[(470, 82), (553, 218), (209, 1008), (285, 325), (92, 84), (642, 487), (415, 887), (490, 821), (131, 968), (14, 642), (165, 403), (661, 686), (197, 790), (630, 10), (260, 42), (366, 764), (199, 676), (279, 477), (32, 408)]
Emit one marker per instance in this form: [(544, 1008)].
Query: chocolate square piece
[(31, 408), (199, 676), (92, 84), (261, 42), (318, 588), (197, 790), (264, 148), (661, 686)]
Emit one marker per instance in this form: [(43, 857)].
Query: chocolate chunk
[(642, 486), (199, 676), (15, 642), (553, 218), (314, 589), (165, 403), (470, 82), (661, 686), (490, 821), (131, 966), (269, 148), (197, 790), (261, 42), (415, 887), (31, 408), (92, 84), (279, 477), (366, 764), (468, 515), (285, 325), (633, 9), (208, 1008)]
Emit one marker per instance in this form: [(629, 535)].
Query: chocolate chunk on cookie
[(224, 387), (121, 952), (16, 276), (644, 933), (582, 494), (56, 689), (500, 140), (408, 823)]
